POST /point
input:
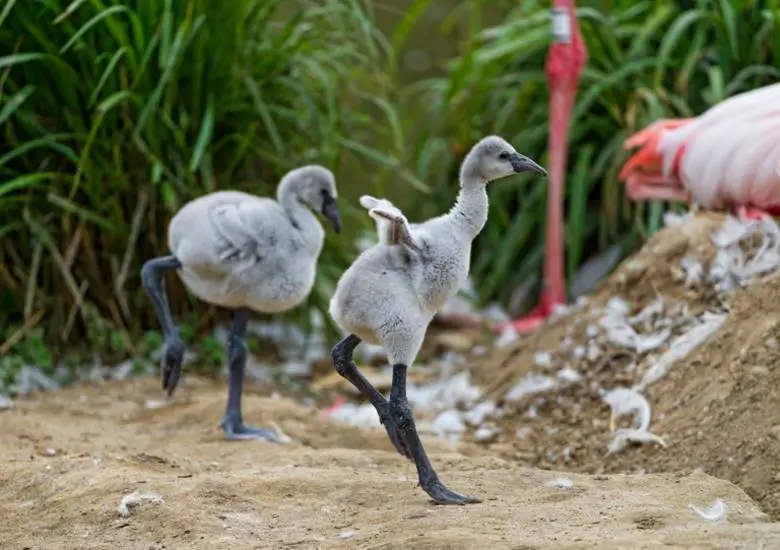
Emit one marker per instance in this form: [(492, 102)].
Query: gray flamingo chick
[(391, 292), (246, 253)]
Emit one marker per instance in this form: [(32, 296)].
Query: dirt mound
[(715, 408), (69, 459)]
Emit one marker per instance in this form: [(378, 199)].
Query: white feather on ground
[(621, 439), (561, 483), (626, 401), (715, 512), (134, 499)]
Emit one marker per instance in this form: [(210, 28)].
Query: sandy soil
[(68, 458), (717, 409)]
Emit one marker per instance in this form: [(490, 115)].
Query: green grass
[(114, 114), (647, 60)]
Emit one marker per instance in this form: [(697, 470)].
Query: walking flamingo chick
[(391, 292), (246, 253), (727, 157)]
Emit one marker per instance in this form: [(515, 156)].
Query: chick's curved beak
[(521, 163), (331, 211)]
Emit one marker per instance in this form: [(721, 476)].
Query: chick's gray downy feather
[(239, 250)]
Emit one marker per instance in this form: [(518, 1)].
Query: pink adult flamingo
[(565, 60), (727, 157)]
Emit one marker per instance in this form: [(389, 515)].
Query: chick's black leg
[(152, 279), (345, 366), (233, 423), (401, 413)]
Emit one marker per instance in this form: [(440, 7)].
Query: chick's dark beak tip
[(336, 224), (331, 211), (521, 163)]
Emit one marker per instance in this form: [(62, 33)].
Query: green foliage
[(115, 113), (647, 60)]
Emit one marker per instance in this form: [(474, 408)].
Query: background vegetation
[(647, 60), (116, 113), (113, 114)]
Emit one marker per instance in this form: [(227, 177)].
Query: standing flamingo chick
[(246, 253), (389, 295)]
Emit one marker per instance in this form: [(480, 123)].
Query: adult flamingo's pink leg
[(565, 60), (749, 213)]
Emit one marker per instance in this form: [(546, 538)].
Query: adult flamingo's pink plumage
[(726, 158)]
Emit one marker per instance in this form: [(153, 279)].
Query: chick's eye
[(503, 155)]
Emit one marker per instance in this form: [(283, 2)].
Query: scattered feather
[(730, 269), (568, 374), (561, 483), (443, 394), (507, 336), (364, 415), (156, 403), (135, 499), (715, 512), (623, 438), (625, 401), (694, 272), (731, 232), (532, 383), (523, 432), (672, 219), (681, 347), (494, 312), (481, 411), (448, 423), (123, 370), (543, 359), (486, 433), (31, 378), (621, 333), (281, 437)]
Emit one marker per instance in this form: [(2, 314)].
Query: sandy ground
[(68, 458)]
